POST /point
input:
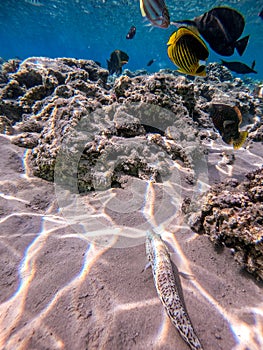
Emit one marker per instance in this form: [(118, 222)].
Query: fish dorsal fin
[(187, 24), (239, 115), (173, 38), (253, 64), (178, 34)]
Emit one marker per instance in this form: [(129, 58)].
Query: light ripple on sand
[(54, 225)]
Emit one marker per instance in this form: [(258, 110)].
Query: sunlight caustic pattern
[(76, 237)]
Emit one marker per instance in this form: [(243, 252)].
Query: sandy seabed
[(60, 290), (72, 267)]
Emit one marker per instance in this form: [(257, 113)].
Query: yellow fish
[(188, 51)]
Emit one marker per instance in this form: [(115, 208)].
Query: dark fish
[(151, 62), (188, 51), (226, 120), (239, 67), (117, 59), (156, 12), (131, 33), (261, 14), (221, 27)]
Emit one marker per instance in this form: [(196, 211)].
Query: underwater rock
[(11, 110), (26, 140), (257, 135), (12, 91), (10, 66), (164, 90), (44, 99), (71, 103), (37, 78), (232, 215), (6, 126), (113, 137), (217, 72)]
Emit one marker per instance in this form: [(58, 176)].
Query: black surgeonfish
[(221, 27), (239, 67), (156, 12), (117, 59), (226, 120), (131, 33), (261, 14), (188, 51)]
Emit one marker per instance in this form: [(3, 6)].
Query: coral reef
[(82, 123), (44, 99), (37, 78), (232, 215), (48, 97)]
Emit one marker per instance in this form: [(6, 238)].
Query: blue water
[(92, 29)]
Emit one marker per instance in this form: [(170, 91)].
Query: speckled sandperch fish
[(167, 289)]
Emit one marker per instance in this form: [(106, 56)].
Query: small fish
[(117, 59), (151, 62), (156, 12), (239, 67), (226, 120), (188, 51), (261, 14), (167, 289), (221, 27), (131, 33)]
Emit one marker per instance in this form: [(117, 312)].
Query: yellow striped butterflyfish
[(188, 51)]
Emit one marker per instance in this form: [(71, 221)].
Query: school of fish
[(221, 28)]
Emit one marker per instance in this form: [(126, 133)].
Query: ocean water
[(63, 283), (92, 29)]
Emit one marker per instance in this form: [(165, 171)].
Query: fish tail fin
[(241, 139), (241, 45)]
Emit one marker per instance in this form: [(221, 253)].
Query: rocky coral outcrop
[(45, 99), (91, 131), (38, 78), (231, 213)]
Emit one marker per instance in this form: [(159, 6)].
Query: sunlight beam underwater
[(27, 272)]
